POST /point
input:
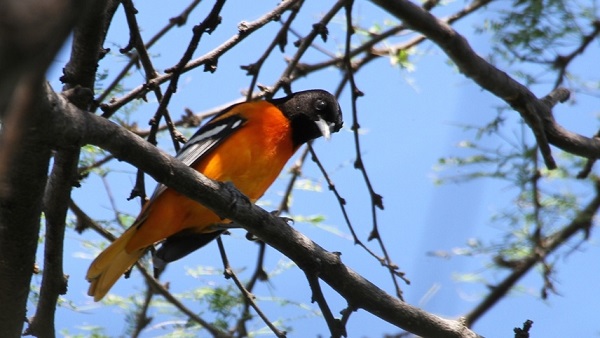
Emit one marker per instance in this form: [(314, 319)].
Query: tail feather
[(108, 267)]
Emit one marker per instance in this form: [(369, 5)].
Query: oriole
[(247, 144)]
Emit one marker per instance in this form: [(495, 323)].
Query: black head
[(313, 113)]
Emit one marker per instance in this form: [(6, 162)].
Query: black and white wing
[(208, 137)]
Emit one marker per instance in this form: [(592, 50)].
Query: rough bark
[(30, 36)]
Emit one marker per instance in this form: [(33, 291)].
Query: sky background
[(408, 121)]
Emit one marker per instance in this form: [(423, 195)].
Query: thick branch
[(86, 50), (79, 78), (21, 190), (31, 34), (54, 281), (69, 126)]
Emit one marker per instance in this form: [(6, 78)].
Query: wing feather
[(207, 138)]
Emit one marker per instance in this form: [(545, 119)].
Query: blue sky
[(409, 120)]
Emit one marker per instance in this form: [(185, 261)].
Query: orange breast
[(250, 158)]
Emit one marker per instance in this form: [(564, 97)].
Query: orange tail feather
[(108, 267)]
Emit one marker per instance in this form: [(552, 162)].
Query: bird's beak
[(324, 127)]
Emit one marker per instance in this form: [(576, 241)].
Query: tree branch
[(21, 189), (79, 78), (31, 35), (54, 281), (248, 296), (87, 47), (376, 199), (336, 327)]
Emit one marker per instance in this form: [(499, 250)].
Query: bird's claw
[(287, 220)]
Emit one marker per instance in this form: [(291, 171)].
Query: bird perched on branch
[(247, 145)]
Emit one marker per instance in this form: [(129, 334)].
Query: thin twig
[(247, 295), (208, 60), (336, 328), (179, 21), (319, 29), (279, 40), (258, 274), (141, 318), (342, 204), (376, 199), (562, 61)]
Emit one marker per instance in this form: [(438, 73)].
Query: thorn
[(322, 30), (374, 234)]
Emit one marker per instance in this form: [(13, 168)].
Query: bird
[(247, 145)]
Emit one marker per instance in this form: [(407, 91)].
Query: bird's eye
[(320, 104)]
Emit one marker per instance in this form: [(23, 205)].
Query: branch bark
[(79, 78), (21, 189), (56, 200), (87, 48), (31, 34)]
